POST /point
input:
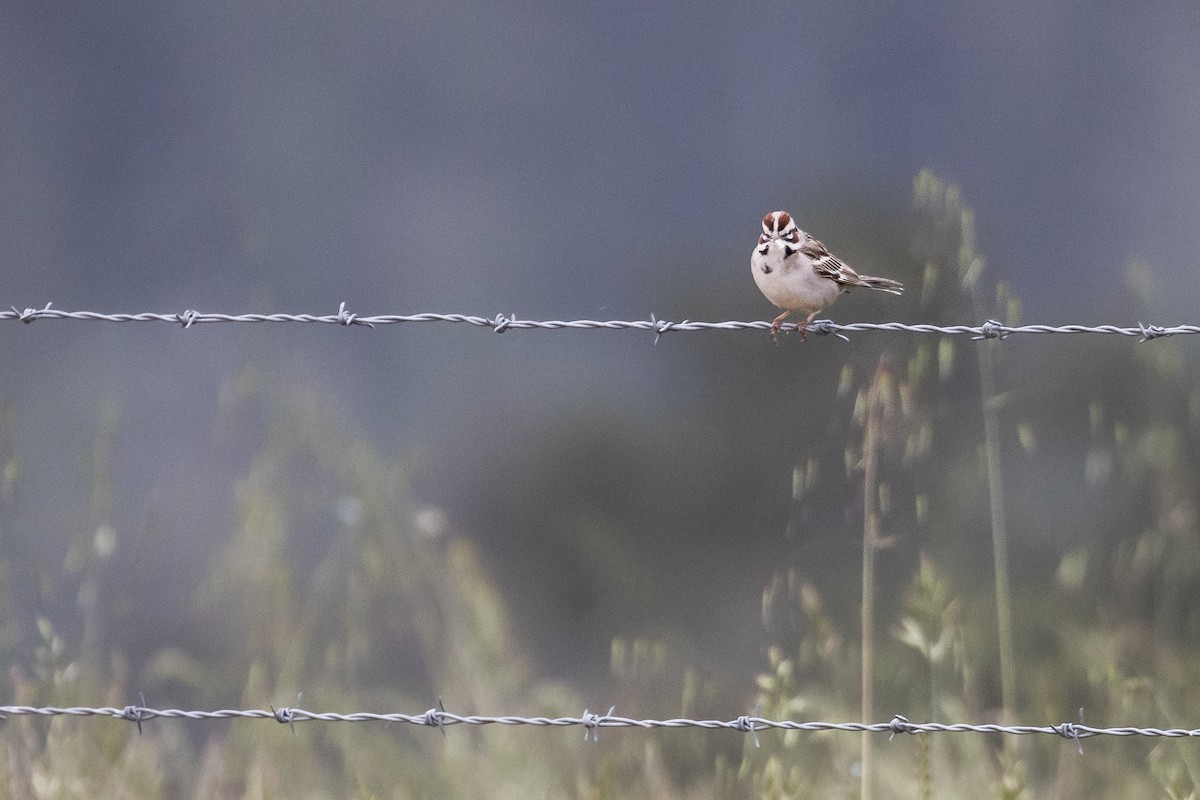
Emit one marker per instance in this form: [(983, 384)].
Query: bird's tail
[(882, 284)]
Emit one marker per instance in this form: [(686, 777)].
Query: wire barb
[(30, 314), (345, 317), (824, 327), (991, 330), (746, 723), (436, 717), (138, 713), (1152, 332), (661, 326), (900, 724), (1069, 730), (592, 722), (287, 715)]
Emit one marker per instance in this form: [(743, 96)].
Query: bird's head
[(779, 225)]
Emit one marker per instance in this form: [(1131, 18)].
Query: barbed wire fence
[(991, 329), (592, 723)]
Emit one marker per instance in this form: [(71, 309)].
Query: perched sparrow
[(795, 271)]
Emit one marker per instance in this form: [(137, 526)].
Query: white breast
[(789, 281)]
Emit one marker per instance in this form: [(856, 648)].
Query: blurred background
[(541, 521)]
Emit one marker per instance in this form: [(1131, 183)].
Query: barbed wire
[(591, 722), (501, 323)]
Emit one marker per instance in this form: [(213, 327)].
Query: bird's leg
[(775, 326), (803, 326)]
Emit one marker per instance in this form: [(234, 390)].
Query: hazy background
[(554, 162)]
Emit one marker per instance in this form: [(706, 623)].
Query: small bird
[(797, 273)]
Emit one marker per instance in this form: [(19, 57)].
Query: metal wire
[(500, 323), (441, 719)]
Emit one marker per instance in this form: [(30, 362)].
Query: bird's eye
[(788, 252), (764, 250)]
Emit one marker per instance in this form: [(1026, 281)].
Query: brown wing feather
[(827, 265)]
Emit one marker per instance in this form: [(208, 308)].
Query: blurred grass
[(335, 582)]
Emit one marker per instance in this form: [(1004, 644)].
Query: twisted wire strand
[(501, 323), (591, 722)]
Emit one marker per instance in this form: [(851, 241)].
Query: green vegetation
[(1097, 439)]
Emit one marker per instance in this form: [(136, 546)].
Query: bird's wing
[(826, 264)]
